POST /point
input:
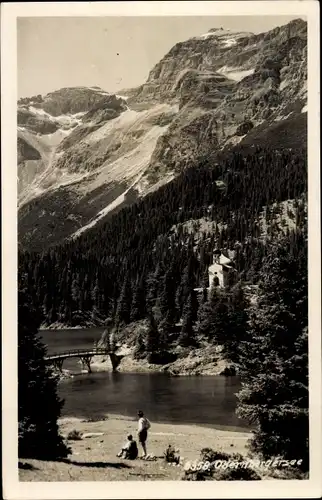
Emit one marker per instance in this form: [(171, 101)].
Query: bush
[(95, 419), (239, 474), (74, 435), (210, 455), (228, 371), (161, 357), (244, 127), (139, 350)]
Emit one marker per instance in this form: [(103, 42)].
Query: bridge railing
[(79, 352)]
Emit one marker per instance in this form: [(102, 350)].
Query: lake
[(203, 400)]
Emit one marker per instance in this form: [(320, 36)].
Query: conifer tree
[(39, 406), (164, 329), (152, 336), (212, 317), (187, 284), (75, 292), (274, 357), (140, 348), (167, 298), (187, 336), (123, 312), (237, 323), (138, 309), (153, 284)]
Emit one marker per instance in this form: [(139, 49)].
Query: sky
[(113, 53)]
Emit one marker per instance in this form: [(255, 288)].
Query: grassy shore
[(94, 458)]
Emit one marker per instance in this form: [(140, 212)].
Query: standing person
[(143, 427)]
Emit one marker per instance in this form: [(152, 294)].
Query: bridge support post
[(115, 360), (58, 364), (86, 361)]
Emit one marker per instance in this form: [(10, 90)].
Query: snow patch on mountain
[(281, 117), (144, 187), (229, 43), (132, 162), (236, 74), (102, 213), (120, 199), (304, 109), (206, 35), (40, 112), (284, 84), (98, 90), (226, 37), (234, 140), (56, 137), (119, 125), (67, 120)]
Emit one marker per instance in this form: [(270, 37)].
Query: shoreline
[(94, 458), (200, 362), (206, 359), (68, 419), (132, 367), (60, 326)]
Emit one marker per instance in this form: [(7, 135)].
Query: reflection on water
[(206, 400)]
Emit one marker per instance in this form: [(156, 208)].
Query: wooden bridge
[(85, 355)]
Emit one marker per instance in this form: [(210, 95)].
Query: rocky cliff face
[(84, 153), (226, 84)]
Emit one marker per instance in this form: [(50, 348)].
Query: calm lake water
[(206, 400)]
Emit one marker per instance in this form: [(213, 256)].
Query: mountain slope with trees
[(107, 271)]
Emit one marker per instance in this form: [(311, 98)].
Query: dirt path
[(94, 457)]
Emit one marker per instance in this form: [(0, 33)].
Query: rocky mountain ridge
[(84, 153)]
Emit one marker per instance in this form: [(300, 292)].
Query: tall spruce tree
[(274, 357), (167, 297), (123, 312), (213, 320), (39, 406), (187, 335), (164, 328), (236, 323), (153, 284), (138, 308), (152, 336), (186, 285), (205, 313)]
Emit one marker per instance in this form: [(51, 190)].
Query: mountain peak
[(223, 34)]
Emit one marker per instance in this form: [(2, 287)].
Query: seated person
[(130, 449)]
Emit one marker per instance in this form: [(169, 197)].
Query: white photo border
[(12, 488)]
